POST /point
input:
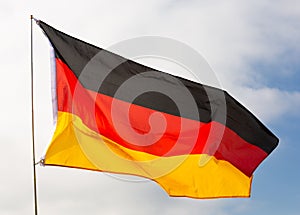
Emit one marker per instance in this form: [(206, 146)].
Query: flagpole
[(32, 119)]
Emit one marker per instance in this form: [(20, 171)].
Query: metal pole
[(32, 119)]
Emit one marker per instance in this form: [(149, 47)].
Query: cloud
[(270, 104)]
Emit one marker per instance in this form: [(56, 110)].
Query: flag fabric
[(106, 122)]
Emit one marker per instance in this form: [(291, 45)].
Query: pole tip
[(31, 16)]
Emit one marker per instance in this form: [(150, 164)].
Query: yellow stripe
[(198, 176)]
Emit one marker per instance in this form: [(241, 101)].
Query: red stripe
[(174, 140)]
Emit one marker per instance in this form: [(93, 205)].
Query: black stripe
[(113, 70)]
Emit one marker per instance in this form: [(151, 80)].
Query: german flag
[(116, 115)]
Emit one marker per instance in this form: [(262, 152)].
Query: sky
[(253, 47)]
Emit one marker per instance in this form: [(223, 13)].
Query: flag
[(116, 115)]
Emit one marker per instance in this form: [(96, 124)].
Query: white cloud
[(270, 104)]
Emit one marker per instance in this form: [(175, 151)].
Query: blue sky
[(252, 46)]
